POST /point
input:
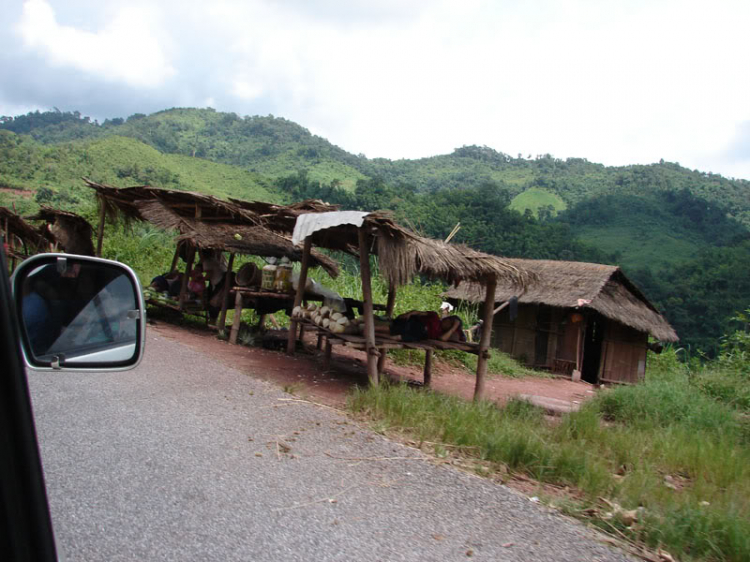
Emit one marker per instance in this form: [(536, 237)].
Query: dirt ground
[(303, 374)]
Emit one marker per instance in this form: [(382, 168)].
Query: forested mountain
[(681, 234)]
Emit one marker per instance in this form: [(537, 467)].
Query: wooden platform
[(383, 343)]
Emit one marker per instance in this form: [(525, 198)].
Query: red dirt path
[(305, 375)]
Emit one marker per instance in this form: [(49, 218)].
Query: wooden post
[(364, 267), (388, 312), (327, 356), (237, 318), (175, 258), (225, 296), (100, 231), (428, 368), (484, 341), (186, 276), (301, 282)]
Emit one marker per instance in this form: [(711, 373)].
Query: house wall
[(533, 336), (623, 349), (624, 354)]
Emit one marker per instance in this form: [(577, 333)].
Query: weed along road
[(185, 459)]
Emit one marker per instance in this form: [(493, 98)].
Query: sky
[(616, 82)]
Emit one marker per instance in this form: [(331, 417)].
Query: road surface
[(185, 459)]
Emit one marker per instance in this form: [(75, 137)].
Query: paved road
[(178, 460)]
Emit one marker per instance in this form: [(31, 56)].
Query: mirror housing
[(79, 313)]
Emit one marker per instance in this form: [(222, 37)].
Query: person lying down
[(417, 325)]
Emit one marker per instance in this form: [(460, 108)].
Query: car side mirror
[(79, 313)]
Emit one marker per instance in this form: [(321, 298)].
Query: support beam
[(237, 318), (389, 313), (327, 356), (186, 276), (427, 368), (302, 281), (484, 341), (225, 295), (175, 258), (100, 231), (364, 268)]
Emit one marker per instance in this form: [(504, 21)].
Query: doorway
[(592, 348)]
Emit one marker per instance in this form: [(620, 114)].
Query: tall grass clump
[(664, 446)]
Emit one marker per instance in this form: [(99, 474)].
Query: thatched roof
[(237, 238), (603, 288), (13, 226), (71, 231), (120, 202), (402, 254), (281, 218)]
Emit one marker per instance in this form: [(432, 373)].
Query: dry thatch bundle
[(603, 288), (281, 218), (121, 203), (236, 238), (22, 238), (403, 254), (71, 231)]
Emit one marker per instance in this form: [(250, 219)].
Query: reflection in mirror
[(80, 313)]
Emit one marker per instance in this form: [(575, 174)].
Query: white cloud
[(125, 50), (617, 83)]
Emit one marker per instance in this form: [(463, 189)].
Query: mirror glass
[(78, 313)]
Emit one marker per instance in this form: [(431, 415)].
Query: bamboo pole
[(300, 293), (100, 231), (388, 312), (175, 258), (237, 316), (364, 267), (427, 368), (484, 341), (186, 276), (227, 289)]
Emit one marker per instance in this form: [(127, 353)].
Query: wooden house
[(578, 319)]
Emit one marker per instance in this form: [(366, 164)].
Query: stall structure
[(401, 255), (21, 239), (70, 231), (579, 319), (235, 239), (205, 224)]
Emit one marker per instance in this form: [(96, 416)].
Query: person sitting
[(169, 283), (197, 283)]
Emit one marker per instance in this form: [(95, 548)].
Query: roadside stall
[(21, 239), (248, 285), (70, 231), (401, 255), (207, 227)]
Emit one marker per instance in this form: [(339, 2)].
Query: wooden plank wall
[(623, 354)]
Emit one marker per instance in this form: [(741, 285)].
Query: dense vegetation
[(680, 234)]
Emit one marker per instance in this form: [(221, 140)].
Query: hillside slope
[(120, 161), (276, 147)]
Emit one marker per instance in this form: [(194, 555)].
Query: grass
[(534, 198), (666, 446)]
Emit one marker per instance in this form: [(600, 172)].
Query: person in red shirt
[(445, 329)]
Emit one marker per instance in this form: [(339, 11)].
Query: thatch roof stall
[(21, 238), (603, 288), (233, 238), (120, 203), (401, 255), (71, 231)]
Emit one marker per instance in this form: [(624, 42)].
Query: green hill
[(120, 161), (536, 200), (275, 147), (677, 232)]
